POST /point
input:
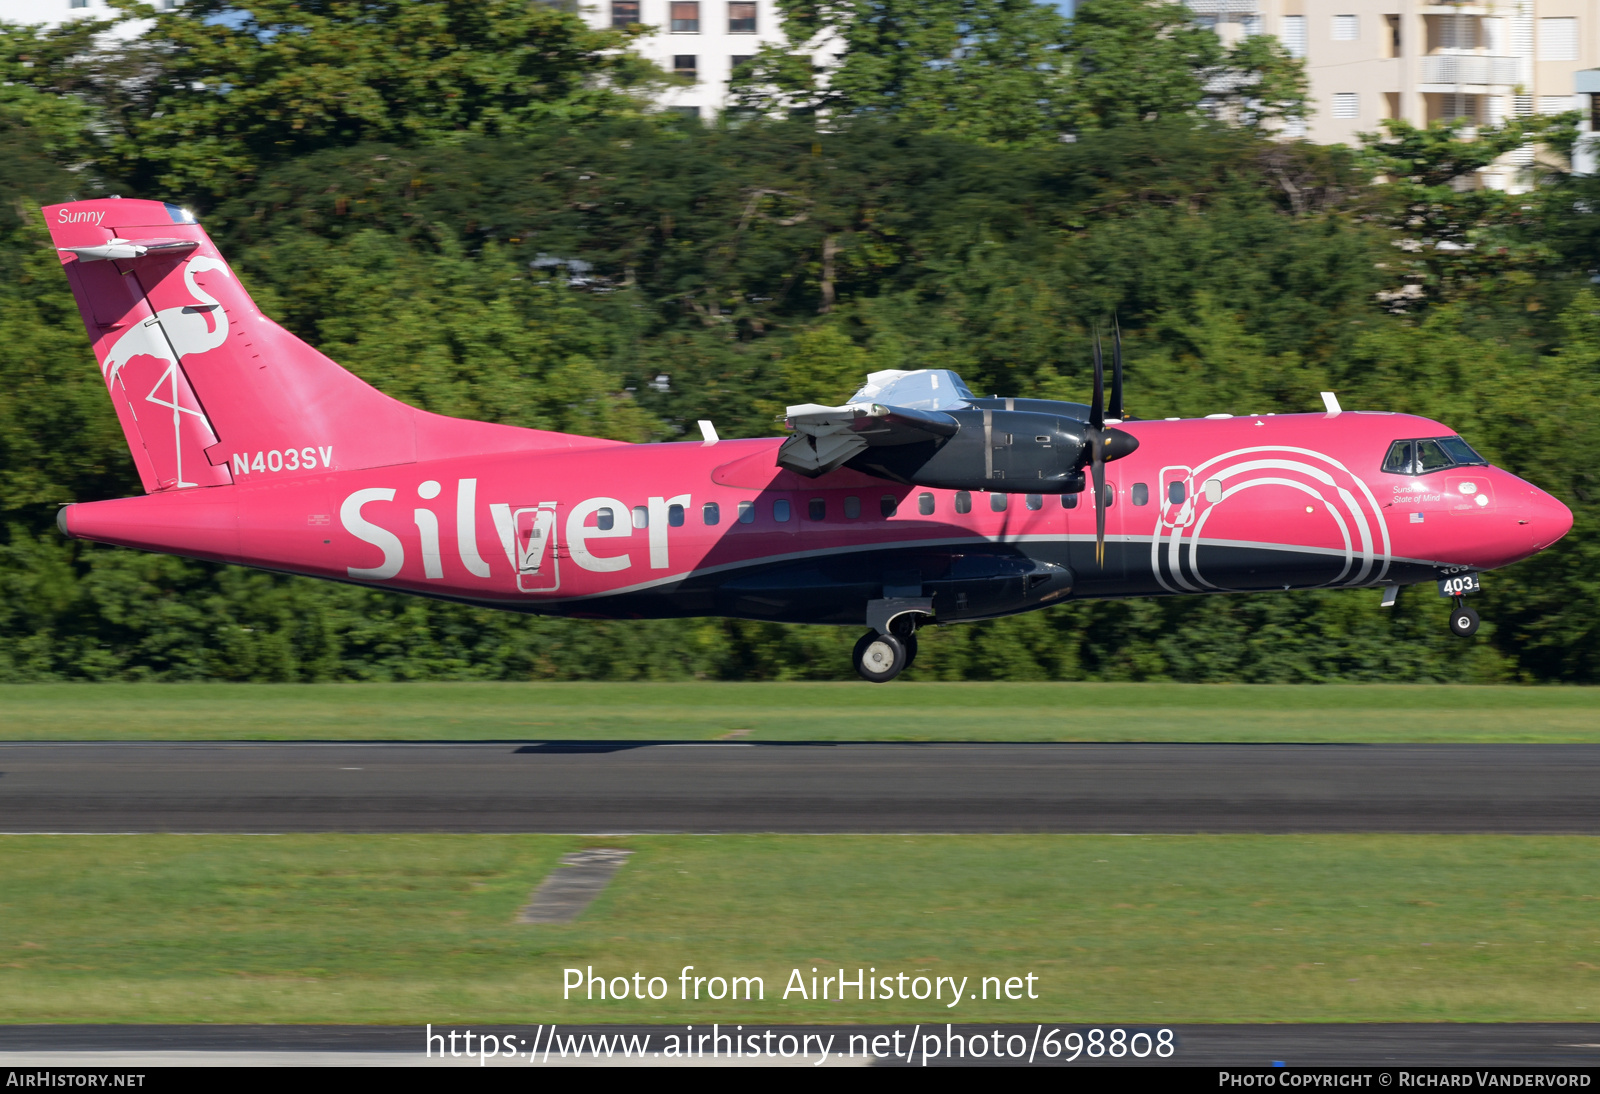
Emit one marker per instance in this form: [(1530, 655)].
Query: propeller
[(1115, 409), (1105, 444)]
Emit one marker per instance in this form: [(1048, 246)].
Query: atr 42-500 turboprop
[(913, 503)]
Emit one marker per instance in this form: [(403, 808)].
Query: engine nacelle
[(1002, 451)]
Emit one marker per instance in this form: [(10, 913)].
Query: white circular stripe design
[(1349, 511)]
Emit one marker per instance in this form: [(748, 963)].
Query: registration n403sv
[(911, 503)]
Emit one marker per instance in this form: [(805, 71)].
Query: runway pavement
[(713, 787)]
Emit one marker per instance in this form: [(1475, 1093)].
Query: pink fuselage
[(1261, 503)]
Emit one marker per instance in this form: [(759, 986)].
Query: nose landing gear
[(1463, 620), (879, 658)]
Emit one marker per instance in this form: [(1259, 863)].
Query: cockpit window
[(1430, 457), (1423, 457), (1398, 460), (1460, 452)]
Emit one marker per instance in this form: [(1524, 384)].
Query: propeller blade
[(1098, 464), (1097, 405), (1115, 409)]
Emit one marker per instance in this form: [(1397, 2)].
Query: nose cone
[(1548, 518)]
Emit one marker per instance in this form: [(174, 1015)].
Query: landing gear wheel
[(1463, 622), (910, 643), (880, 657)]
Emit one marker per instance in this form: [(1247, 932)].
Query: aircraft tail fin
[(208, 390)]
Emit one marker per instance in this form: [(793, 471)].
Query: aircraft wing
[(825, 437)]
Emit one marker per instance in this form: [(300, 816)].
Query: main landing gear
[(881, 657), (1463, 620)]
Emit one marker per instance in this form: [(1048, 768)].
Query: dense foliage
[(549, 274)]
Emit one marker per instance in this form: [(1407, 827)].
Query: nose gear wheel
[(879, 658)]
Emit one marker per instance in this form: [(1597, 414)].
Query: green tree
[(211, 93), (1138, 60), (990, 70)]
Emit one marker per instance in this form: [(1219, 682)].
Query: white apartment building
[(1481, 62), (699, 41)]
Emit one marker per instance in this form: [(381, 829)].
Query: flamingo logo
[(191, 328), (175, 333)]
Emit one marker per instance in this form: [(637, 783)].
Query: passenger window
[(1213, 490), (1069, 501), (1108, 497), (641, 516), (817, 509), (1398, 461), (852, 508), (710, 513), (1141, 494), (1035, 502), (747, 512), (925, 504), (780, 510), (1176, 493), (604, 519), (1430, 457), (675, 516), (963, 502), (887, 505), (997, 502)]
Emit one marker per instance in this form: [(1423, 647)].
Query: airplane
[(913, 503)]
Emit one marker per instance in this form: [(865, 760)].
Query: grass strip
[(413, 929), (904, 711)]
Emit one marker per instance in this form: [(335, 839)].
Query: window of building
[(604, 519), (780, 510), (817, 509), (1069, 501), (1558, 39), (925, 504), (741, 18), (1391, 37), (1140, 494), (852, 508), (685, 16), (1346, 104), (963, 501), (1176, 493), (1035, 502), (887, 505), (997, 502), (687, 65), (747, 512), (624, 13), (1292, 33), (710, 513), (674, 516), (1346, 28), (737, 61), (1555, 104), (641, 516)]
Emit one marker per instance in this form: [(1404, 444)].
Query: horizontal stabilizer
[(131, 248)]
